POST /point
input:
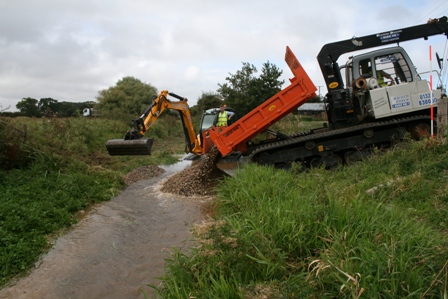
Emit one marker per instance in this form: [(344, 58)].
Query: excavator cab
[(210, 118)]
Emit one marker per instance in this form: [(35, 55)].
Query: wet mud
[(118, 247)]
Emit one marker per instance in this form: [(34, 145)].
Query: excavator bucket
[(134, 147)]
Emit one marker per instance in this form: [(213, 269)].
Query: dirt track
[(118, 248)]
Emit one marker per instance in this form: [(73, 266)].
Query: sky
[(70, 50)]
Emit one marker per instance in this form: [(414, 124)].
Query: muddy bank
[(118, 248)]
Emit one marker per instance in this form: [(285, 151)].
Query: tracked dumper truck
[(381, 98)]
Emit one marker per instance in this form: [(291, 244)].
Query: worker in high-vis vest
[(380, 75), (223, 116)]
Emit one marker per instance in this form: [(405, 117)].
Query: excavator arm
[(134, 142)]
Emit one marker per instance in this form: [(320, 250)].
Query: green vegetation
[(52, 168), (292, 124), (377, 229), (243, 91), (128, 96)]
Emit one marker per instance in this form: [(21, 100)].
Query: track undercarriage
[(340, 146)]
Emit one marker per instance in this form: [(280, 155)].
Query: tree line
[(48, 107)]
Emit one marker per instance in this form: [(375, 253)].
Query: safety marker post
[(430, 92)]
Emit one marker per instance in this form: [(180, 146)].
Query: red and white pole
[(430, 92)]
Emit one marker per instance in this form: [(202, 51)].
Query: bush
[(12, 153)]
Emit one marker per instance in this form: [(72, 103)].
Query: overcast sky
[(70, 50)]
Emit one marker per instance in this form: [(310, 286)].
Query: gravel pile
[(142, 173), (199, 179)]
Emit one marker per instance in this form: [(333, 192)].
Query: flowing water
[(117, 248)]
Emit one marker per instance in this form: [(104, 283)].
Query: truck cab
[(385, 83), (394, 61)]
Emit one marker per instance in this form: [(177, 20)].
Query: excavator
[(134, 142), (374, 100)]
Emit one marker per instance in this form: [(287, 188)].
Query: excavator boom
[(134, 143)]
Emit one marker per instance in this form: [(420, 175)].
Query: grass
[(377, 229), (292, 124), (37, 204)]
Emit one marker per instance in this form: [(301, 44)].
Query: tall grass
[(377, 229), (292, 124)]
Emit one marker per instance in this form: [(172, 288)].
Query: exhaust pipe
[(361, 83), (134, 147)]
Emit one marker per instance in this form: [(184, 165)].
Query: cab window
[(394, 65)]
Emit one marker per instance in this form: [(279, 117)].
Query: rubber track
[(308, 136)]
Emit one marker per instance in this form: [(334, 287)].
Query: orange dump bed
[(234, 138)]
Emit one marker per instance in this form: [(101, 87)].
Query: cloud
[(70, 50)]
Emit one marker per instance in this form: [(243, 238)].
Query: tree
[(206, 101), (28, 106), (48, 106), (68, 109), (129, 95), (244, 91), (316, 99)]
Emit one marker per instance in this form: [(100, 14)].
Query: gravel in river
[(198, 179)]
